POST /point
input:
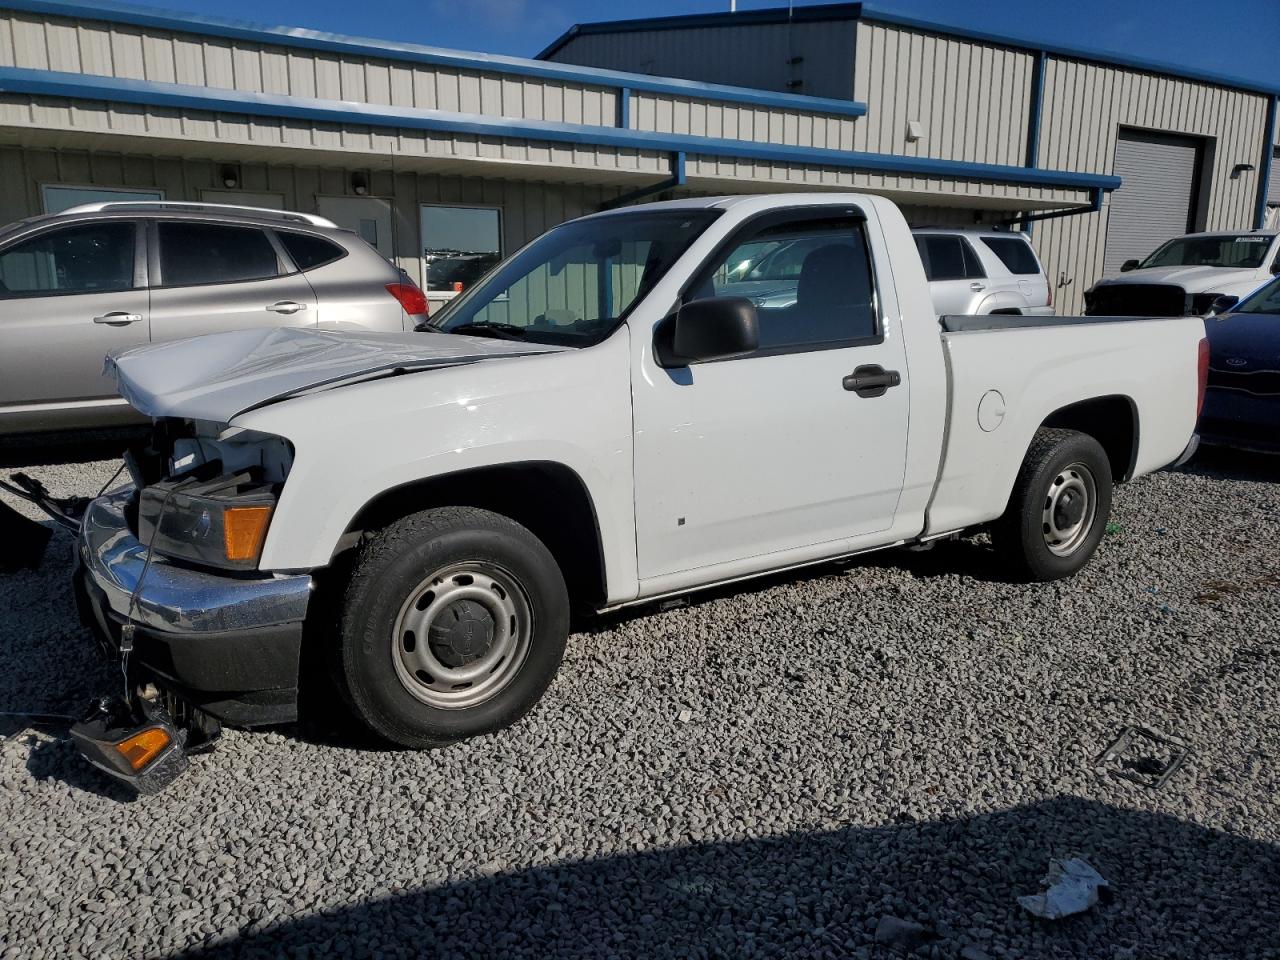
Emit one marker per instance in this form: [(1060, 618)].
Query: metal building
[(1193, 149), (440, 157)]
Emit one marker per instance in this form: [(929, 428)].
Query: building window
[(459, 245), (57, 197)]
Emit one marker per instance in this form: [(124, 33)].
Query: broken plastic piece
[(1073, 887), (1144, 757)]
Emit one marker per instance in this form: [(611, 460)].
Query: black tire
[(1027, 543), (374, 663)]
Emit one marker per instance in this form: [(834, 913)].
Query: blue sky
[(1238, 38)]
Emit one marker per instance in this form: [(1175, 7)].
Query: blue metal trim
[(111, 11), (879, 15), (182, 96), (1264, 170), (1030, 219), (624, 108), (677, 179), (1037, 109)]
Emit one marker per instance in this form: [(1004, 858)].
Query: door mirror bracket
[(715, 328)]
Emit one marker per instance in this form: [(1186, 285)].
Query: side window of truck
[(810, 281)]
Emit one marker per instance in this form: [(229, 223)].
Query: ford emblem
[(1237, 362)]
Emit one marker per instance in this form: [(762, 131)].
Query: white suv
[(983, 271)]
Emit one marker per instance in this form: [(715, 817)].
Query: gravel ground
[(767, 772)]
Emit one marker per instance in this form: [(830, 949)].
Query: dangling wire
[(127, 631)]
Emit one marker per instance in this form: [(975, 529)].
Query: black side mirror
[(1222, 303), (717, 328), (1128, 265), (1275, 267)]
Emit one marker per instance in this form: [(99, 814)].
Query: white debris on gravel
[(906, 738), (1071, 886)]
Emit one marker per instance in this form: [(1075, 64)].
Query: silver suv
[(77, 285), (983, 271)]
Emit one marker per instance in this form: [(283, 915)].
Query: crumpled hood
[(1190, 279), (218, 376)]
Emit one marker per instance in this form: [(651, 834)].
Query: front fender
[(354, 443)]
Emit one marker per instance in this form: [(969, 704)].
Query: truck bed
[(963, 323)]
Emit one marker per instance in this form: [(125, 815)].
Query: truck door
[(780, 450)]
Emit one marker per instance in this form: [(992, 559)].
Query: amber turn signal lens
[(244, 529), (142, 748)]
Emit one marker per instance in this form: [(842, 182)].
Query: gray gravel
[(769, 772)]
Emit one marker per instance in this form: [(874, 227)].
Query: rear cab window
[(948, 257), (193, 253), (1016, 254), (308, 251)]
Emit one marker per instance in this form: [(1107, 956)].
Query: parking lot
[(768, 771)]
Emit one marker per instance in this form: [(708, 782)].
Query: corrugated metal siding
[(1154, 204), (972, 100), (115, 50), (528, 207), (666, 114), (756, 56), (1085, 105), (92, 117), (1273, 182)]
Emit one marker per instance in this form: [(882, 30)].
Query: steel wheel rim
[(462, 635), (1070, 506)]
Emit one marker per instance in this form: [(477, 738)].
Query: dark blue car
[(1242, 403)]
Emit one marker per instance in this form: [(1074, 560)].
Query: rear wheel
[(453, 624), (1059, 508)]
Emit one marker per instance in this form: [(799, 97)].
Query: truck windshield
[(1266, 300), (1244, 252), (575, 284)]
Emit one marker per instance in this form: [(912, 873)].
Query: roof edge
[(875, 14), (112, 11), (819, 13)]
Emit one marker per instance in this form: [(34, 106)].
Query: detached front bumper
[(228, 643)]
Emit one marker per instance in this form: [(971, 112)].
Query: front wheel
[(453, 624), (1059, 508)]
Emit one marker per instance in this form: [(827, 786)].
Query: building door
[(1157, 199), (368, 217)]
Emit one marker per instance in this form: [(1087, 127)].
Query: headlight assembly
[(218, 522)]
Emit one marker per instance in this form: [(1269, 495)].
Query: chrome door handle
[(975, 286), (118, 318), (286, 306)]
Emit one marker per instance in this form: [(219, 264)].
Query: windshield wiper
[(502, 331)]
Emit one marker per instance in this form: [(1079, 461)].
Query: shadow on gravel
[(1179, 890), (68, 447), (1227, 464)]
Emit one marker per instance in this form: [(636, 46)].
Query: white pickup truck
[(593, 425), (1188, 275)]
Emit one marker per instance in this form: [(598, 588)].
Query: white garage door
[(1156, 196)]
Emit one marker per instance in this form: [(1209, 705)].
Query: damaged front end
[(167, 580)]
